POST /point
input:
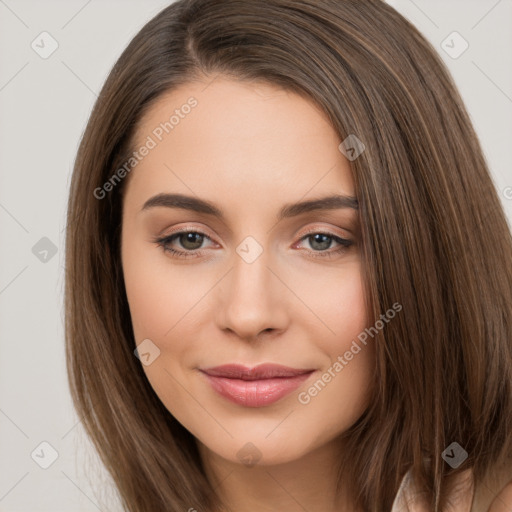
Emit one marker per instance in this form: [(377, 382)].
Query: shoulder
[(485, 499), (460, 495), (503, 501), (494, 493)]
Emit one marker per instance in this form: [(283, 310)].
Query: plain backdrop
[(44, 106)]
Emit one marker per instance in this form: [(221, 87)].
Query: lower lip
[(256, 393)]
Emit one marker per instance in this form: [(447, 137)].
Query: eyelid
[(300, 234), (321, 229), (343, 242), (330, 231), (186, 229)]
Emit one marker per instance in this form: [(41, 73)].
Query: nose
[(252, 299)]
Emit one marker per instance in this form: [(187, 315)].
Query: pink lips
[(255, 387)]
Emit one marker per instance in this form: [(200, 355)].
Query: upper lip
[(262, 371)]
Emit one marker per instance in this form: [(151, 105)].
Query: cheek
[(337, 303), (160, 297), (346, 311), (341, 392), (165, 304)]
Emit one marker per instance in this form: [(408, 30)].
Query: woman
[(221, 358)]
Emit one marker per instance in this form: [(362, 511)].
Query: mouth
[(262, 385)]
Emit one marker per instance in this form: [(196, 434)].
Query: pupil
[(326, 240), (190, 238)]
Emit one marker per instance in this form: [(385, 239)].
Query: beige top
[(409, 500)]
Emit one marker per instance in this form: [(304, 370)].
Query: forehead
[(244, 139)]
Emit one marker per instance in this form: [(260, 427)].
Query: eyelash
[(165, 241)]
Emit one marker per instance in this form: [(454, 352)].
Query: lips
[(255, 387)]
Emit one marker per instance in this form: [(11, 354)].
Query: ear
[(503, 501)]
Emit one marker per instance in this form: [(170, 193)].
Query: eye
[(192, 240), (321, 241)]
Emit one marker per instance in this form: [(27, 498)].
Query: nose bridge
[(252, 298), (251, 275)]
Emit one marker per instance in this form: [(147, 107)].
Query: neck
[(307, 483)]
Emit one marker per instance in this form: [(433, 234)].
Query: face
[(247, 279)]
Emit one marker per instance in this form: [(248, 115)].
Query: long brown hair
[(434, 238)]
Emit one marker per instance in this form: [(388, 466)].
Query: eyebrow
[(289, 210)]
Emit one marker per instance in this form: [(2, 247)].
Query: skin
[(503, 502), (250, 149)]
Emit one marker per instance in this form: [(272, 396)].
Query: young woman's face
[(261, 282)]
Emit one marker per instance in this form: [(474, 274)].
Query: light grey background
[(44, 105)]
